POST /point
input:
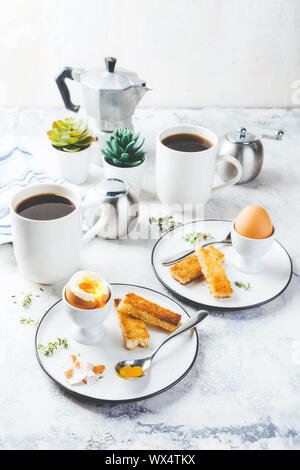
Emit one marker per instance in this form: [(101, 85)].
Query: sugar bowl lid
[(112, 187), (241, 136)]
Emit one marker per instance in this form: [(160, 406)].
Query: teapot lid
[(109, 79), (112, 187), (241, 136)]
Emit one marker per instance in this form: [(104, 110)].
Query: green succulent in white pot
[(71, 140), (124, 157)]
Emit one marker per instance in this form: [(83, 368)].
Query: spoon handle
[(187, 325), (183, 254), (174, 258)]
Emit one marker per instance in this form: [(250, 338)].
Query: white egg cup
[(88, 322), (250, 251)]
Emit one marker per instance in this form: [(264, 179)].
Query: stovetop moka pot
[(110, 94)]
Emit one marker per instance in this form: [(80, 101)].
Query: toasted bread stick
[(134, 331), (149, 312), (214, 273), (189, 269), (186, 270)]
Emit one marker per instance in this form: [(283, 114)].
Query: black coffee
[(186, 142), (45, 207)]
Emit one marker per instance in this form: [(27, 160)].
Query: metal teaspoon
[(183, 254), (146, 362)]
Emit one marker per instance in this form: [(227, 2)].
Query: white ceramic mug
[(48, 251), (187, 177)]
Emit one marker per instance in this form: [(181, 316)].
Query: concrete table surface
[(243, 391)]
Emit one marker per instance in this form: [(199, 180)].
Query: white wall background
[(193, 52)]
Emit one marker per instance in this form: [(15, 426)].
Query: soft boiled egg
[(254, 222), (87, 289)]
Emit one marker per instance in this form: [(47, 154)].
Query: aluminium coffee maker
[(110, 96)]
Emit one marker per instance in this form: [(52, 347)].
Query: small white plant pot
[(133, 175), (72, 166)]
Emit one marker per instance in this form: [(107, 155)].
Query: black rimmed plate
[(169, 366), (265, 286)]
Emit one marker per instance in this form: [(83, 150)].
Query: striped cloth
[(18, 169)]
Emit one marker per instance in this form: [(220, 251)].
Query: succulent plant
[(123, 149), (70, 135)]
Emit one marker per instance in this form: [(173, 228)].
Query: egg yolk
[(89, 286), (131, 372), (95, 289)]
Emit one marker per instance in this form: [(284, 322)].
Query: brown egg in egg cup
[(249, 252)]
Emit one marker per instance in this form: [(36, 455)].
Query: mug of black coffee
[(186, 158), (46, 229)]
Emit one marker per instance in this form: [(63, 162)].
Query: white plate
[(169, 366), (266, 285)]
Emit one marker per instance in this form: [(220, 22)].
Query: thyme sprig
[(195, 237), (166, 223), (243, 285), (53, 346), (27, 301), (27, 321)]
